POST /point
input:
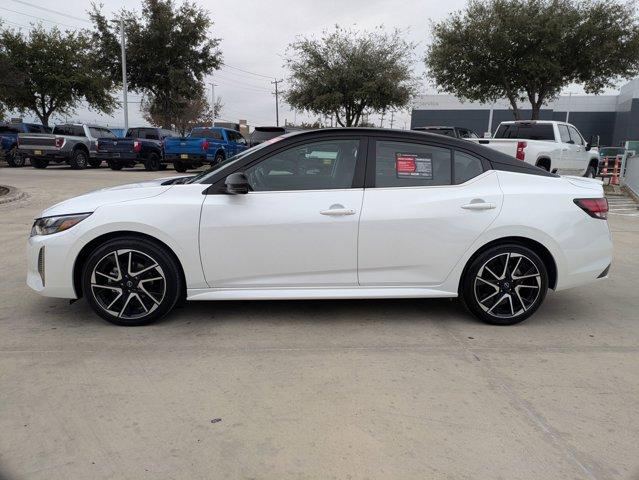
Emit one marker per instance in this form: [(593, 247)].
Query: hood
[(89, 202)]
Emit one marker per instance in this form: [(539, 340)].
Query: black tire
[(219, 157), (39, 162), (152, 163), (180, 167), (163, 166), (15, 159), (113, 165), (143, 297), (514, 297), (79, 160), (95, 163), (591, 172)]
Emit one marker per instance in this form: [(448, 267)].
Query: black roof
[(498, 160)]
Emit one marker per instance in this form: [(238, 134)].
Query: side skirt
[(315, 293)]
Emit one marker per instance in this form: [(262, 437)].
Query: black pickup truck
[(141, 145)]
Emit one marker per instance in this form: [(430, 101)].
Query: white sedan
[(326, 214)]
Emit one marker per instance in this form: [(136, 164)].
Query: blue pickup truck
[(203, 145), (140, 145), (9, 140)]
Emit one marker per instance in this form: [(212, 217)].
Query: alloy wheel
[(128, 284), (507, 285)]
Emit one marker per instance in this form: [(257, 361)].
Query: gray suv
[(71, 143)]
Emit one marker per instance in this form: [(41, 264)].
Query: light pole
[(125, 87), (213, 85), (568, 107)]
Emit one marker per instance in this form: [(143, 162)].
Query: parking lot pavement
[(406, 389)]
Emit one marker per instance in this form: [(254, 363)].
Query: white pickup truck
[(554, 146)]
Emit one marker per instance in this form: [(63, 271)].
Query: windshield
[(205, 175), (611, 152)]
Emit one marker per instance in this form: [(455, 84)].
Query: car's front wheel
[(505, 284), (131, 281)]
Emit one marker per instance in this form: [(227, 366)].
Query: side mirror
[(237, 184), (588, 146)]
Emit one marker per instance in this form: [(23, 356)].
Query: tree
[(347, 74), (168, 52), (51, 73), (531, 49), (191, 113)]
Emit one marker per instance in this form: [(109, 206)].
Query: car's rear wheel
[(79, 159), (113, 165), (14, 158), (152, 163), (39, 162), (505, 284), (131, 281)]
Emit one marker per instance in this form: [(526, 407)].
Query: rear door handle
[(479, 206), (338, 212)]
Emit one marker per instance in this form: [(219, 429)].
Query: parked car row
[(83, 145)]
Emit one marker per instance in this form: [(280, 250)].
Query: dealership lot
[(322, 389)]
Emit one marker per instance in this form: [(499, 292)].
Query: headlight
[(49, 225)]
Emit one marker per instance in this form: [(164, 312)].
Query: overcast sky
[(254, 34)]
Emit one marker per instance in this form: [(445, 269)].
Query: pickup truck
[(557, 147), (203, 145), (140, 145), (455, 132), (71, 143), (9, 140)]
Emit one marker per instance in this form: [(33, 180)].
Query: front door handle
[(338, 212), (479, 206)]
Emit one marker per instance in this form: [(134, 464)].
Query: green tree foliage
[(348, 74), (193, 113), (168, 52), (531, 49), (52, 72)]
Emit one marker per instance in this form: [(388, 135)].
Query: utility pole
[(213, 85), (392, 118), (568, 107), (277, 107), (125, 87)]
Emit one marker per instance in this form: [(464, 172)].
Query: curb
[(11, 194)]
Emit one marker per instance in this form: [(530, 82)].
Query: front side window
[(574, 135), (466, 167), (324, 165), (403, 164)]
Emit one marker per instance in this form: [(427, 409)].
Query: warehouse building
[(612, 118)]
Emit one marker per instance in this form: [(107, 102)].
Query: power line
[(36, 17), (40, 7), (16, 24), (240, 69)]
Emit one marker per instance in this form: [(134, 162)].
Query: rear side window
[(8, 129), (403, 164), (526, 131), (78, 131), (466, 167), (35, 129), (100, 133)]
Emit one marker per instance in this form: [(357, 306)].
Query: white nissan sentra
[(326, 214)]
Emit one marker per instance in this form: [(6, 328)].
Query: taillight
[(137, 146), (595, 207), (521, 147), (205, 145), (59, 141)]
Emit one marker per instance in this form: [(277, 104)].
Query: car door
[(296, 228), (579, 157), (567, 152), (428, 204)]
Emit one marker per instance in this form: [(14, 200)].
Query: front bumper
[(49, 266)]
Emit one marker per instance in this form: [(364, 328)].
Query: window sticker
[(408, 165)]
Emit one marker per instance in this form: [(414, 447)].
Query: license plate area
[(37, 152), (184, 156)]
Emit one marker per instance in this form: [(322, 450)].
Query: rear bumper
[(43, 153), (191, 158), (118, 156)]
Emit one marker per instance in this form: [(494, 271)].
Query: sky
[(254, 37)]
